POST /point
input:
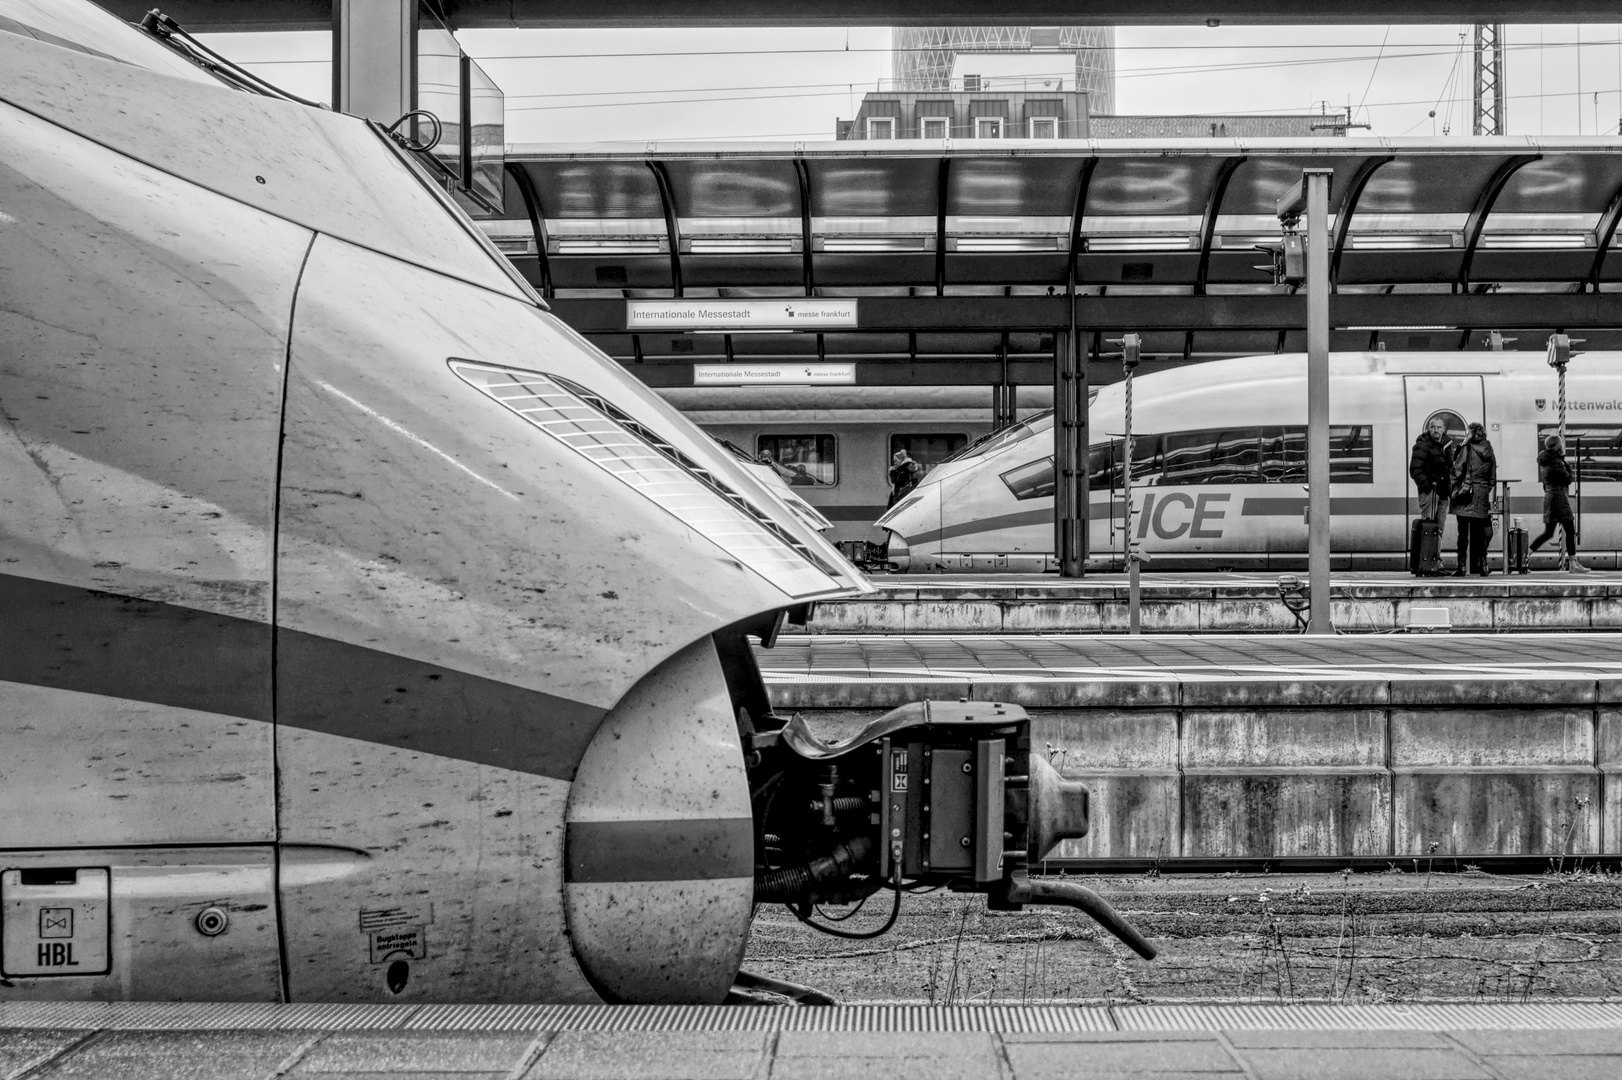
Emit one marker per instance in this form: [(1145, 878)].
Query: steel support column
[(1069, 456), (1317, 185), (374, 58)]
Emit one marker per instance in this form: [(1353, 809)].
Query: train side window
[(801, 460), (1258, 455), (928, 450), (1351, 454), (1594, 451), (1032, 480)]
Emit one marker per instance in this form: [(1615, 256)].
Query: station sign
[(775, 374), (808, 314)]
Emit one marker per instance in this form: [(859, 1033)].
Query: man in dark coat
[(1556, 476), (1429, 468), (1475, 475)]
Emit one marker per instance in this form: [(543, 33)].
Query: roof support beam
[(1077, 212), (1219, 188), (944, 174), (1478, 215), (236, 15), (667, 199), (537, 222), (1348, 206), (803, 175)]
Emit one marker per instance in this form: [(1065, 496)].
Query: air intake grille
[(620, 445)]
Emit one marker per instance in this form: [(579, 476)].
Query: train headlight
[(621, 446)]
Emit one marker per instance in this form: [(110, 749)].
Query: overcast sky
[(745, 83)]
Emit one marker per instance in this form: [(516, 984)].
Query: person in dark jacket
[(1430, 470), (1475, 475), (904, 476), (1556, 476)]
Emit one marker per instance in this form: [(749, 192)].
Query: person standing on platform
[(1556, 476), (1428, 466), (904, 475), (1475, 475)]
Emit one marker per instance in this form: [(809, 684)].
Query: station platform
[(1565, 1041), (1276, 746), (1364, 602)]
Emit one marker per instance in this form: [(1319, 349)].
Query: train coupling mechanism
[(933, 794), (868, 557)]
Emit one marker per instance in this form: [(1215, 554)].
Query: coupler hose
[(1069, 894), (796, 882)]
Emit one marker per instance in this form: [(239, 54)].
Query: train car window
[(801, 460), (1032, 480), (1351, 454), (927, 450), (1594, 451), (1254, 455)]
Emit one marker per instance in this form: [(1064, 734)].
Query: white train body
[(1220, 468), (368, 635)]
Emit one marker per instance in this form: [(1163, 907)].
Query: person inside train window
[(802, 460), (1428, 466), (1556, 477), (766, 458), (1475, 475), (904, 475)]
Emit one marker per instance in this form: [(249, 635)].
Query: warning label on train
[(740, 315)]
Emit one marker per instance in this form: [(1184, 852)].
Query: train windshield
[(1008, 436), (87, 28)]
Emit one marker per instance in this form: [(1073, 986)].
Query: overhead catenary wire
[(633, 55)]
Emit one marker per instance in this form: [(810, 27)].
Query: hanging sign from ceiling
[(774, 374), (810, 314)]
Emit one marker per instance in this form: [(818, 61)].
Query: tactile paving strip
[(1438, 1016)]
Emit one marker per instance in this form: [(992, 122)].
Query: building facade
[(1041, 114), (924, 57)]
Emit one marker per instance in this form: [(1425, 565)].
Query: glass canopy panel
[(1565, 183), (740, 188), (1030, 187), (1428, 184), (874, 187), (1151, 185), (1257, 184), (596, 189)]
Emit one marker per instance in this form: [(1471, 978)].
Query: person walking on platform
[(904, 475), (1475, 474), (1431, 472), (1556, 476)]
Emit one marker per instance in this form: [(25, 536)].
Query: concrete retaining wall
[(1224, 767), (1513, 604)]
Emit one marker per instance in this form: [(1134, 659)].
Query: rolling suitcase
[(1520, 552), (1425, 549)]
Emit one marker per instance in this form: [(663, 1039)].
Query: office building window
[(933, 127), (1044, 127), (988, 127), (881, 127)]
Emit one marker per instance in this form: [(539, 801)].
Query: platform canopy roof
[(1428, 237), (199, 15)]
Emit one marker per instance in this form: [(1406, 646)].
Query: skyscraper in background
[(922, 56)]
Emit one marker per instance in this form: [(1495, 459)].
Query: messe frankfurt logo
[(1540, 403)]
